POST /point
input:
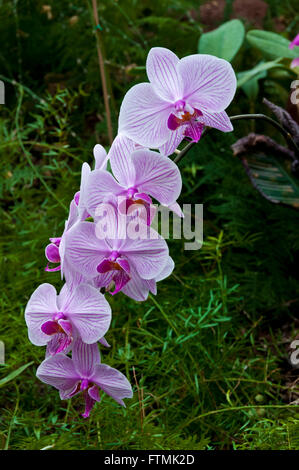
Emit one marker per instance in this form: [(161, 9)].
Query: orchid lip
[(84, 384)]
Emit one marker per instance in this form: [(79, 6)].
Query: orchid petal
[(209, 82), (52, 253), (100, 184), (175, 138), (58, 371), (112, 382), (120, 160), (104, 342), (166, 271), (59, 343), (163, 73), (85, 357), (100, 156), (194, 130), (143, 116), (159, 177), (147, 255), (120, 278), (137, 288), (91, 396), (90, 313), (176, 209), (84, 250), (40, 308), (220, 121), (85, 172)]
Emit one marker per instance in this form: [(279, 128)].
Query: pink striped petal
[(112, 382), (100, 156), (220, 121), (209, 83), (175, 138), (84, 250), (159, 177), (163, 73), (85, 358), (143, 116), (148, 256), (166, 271), (40, 308), (58, 371), (100, 184), (90, 313), (120, 160)]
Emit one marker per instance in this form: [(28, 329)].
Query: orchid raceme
[(84, 373), (108, 242), (182, 97), (139, 175), (56, 320)]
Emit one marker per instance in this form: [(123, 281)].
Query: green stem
[(239, 117)]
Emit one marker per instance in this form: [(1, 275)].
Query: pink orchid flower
[(182, 97), (84, 373), (56, 320), (139, 175), (93, 252)]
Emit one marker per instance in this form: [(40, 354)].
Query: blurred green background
[(208, 357)]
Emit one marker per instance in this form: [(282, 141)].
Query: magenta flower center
[(188, 117)]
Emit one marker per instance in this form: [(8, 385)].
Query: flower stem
[(238, 117), (102, 71), (263, 117)]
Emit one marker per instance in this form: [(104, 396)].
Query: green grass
[(208, 356)]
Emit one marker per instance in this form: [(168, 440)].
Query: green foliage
[(271, 44), (14, 374), (223, 42), (257, 72)]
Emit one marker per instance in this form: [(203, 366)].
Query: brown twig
[(102, 71)]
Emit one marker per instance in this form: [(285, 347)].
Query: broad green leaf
[(271, 44), (269, 176), (14, 374), (247, 75), (223, 42)]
